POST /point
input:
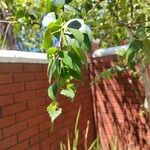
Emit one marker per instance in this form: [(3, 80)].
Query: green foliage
[(73, 144), (25, 17), (65, 60), (114, 22), (53, 110)]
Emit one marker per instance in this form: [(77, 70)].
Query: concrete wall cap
[(14, 56)]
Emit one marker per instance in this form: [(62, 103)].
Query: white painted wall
[(13, 56), (108, 51)]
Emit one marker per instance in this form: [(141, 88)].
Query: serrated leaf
[(68, 92), (54, 111), (52, 91), (77, 35)]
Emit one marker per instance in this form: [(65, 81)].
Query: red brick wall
[(24, 122), (117, 108)]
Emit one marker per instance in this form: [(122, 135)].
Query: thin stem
[(8, 26), (92, 9), (131, 3), (5, 21)]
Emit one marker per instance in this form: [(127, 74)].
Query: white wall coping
[(14, 56), (108, 51)]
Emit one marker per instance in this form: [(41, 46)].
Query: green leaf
[(54, 66), (53, 26), (72, 86), (20, 14), (49, 66), (4, 4), (77, 35), (54, 111), (58, 4), (87, 43), (68, 1), (49, 5), (146, 49), (77, 74), (47, 39), (133, 49), (52, 91), (80, 54), (77, 62), (70, 9), (51, 50), (68, 92), (67, 59)]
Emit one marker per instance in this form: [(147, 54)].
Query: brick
[(36, 120), (47, 100), (20, 77), (6, 100), (45, 68), (41, 92), (35, 139), (41, 76), (35, 147), (6, 143), (21, 146), (36, 85), (1, 135), (46, 142), (12, 130), (6, 78), (7, 121), (27, 133), (40, 101), (7, 67), (11, 88), (45, 125), (26, 95), (33, 68), (42, 109), (12, 109), (26, 115), (44, 134)]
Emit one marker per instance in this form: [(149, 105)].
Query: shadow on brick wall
[(117, 108)]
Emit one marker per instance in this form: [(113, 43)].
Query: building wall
[(24, 121), (118, 115), (112, 107)]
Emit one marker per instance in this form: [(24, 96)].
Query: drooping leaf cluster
[(65, 61), (66, 39)]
